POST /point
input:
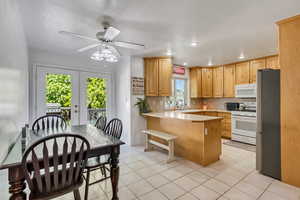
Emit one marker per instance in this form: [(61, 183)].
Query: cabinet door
[(242, 72), (254, 66), (272, 62), (195, 82), (229, 80), (165, 76), (151, 76), (218, 81), (207, 82)]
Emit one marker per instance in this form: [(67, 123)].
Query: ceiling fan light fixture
[(104, 55)]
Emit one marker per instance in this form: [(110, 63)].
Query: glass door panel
[(57, 93), (94, 97)]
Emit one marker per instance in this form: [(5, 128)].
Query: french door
[(79, 97)]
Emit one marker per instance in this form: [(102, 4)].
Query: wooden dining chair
[(101, 122), (113, 129), (53, 166), (49, 122)]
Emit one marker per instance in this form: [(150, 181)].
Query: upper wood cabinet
[(254, 66), (229, 80), (242, 72), (218, 83), (157, 74), (195, 82), (207, 82), (165, 75), (151, 76), (272, 62)]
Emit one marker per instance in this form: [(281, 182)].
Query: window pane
[(96, 98), (59, 95), (180, 92)]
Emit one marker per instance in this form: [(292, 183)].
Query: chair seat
[(97, 161)]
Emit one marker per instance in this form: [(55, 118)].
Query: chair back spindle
[(114, 128), (49, 122), (101, 123), (60, 165)]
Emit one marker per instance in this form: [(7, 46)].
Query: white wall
[(123, 96), (138, 123), (13, 74)]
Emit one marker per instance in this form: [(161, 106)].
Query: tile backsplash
[(157, 104)]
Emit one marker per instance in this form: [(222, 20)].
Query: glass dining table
[(100, 143)]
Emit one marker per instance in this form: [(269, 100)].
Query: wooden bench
[(167, 137)]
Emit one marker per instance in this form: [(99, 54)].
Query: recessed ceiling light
[(194, 44), (185, 64)]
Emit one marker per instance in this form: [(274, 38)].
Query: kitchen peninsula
[(199, 136)]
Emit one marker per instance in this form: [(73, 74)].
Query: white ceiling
[(223, 28)]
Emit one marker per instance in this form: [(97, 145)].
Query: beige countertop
[(181, 115), (202, 110)]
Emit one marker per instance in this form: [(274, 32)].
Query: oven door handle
[(244, 118)]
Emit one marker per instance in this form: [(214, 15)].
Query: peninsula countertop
[(181, 115), (190, 111)]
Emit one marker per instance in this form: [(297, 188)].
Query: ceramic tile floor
[(145, 176)]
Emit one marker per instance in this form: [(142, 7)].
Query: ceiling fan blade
[(111, 33), (75, 35), (129, 45), (88, 47)]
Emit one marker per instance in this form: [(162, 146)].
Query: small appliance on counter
[(232, 106), (268, 148)]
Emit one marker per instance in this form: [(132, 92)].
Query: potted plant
[(143, 105)]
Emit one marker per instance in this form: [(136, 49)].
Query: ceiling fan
[(105, 44)]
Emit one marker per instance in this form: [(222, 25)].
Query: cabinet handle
[(205, 131)]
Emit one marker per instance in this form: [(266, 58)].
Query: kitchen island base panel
[(198, 141)]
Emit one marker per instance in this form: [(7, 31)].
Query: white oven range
[(244, 126)]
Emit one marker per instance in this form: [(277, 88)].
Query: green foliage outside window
[(59, 90), (96, 91)]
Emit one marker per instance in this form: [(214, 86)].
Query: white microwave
[(245, 91)]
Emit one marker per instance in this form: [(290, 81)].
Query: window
[(179, 94)]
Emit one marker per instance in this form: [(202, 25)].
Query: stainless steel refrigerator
[(268, 154)]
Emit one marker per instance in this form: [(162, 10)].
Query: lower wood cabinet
[(225, 122)]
